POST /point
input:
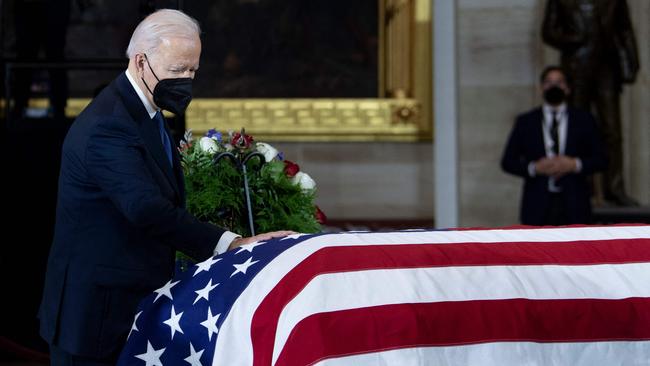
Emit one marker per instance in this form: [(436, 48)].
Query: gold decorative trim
[(310, 119), (296, 119)]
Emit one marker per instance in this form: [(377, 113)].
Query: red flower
[(184, 146), (320, 216), (239, 142), (290, 168)]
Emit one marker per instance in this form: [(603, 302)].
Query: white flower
[(267, 150), (188, 136), (208, 145), (304, 181)]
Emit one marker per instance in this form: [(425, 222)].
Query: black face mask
[(554, 95), (173, 95)]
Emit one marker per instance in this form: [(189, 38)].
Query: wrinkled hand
[(260, 237), (556, 167)]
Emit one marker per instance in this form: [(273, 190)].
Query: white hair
[(164, 23)]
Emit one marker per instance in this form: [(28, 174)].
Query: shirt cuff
[(531, 169), (578, 165), (225, 241)]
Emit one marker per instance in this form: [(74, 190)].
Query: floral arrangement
[(281, 196)]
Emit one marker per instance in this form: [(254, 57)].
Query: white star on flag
[(205, 265), (165, 290), (134, 326), (194, 358), (152, 356), (204, 293), (243, 267), (211, 324), (249, 247), (174, 322)]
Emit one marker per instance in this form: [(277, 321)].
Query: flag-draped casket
[(520, 296)]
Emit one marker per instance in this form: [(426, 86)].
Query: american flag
[(518, 296)]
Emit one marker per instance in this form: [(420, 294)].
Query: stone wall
[(500, 55), (386, 181)]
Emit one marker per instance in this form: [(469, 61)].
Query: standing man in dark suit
[(121, 203), (554, 148)]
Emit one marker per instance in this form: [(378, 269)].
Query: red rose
[(239, 142), (290, 168), (184, 146), (320, 216)]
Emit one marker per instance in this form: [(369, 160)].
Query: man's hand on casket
[(260, 237)]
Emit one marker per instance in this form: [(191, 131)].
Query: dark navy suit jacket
[(120, 217), (526, 144)]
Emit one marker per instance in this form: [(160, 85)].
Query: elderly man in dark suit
[(554, 148), (120, 213)]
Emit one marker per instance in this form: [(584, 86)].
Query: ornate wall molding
[(311, 119)]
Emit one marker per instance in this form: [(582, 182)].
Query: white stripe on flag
[(235, 346), (350, 290), (508, 354)]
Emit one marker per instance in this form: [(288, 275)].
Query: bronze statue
[(598, 51)]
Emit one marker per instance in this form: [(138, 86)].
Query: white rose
[(267, 150), (208, 145), (304, 181)]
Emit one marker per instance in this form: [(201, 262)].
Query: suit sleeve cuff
[(224, 242), (578, 165), (531, 169)]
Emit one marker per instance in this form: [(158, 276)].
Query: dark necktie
[(554, 134), (164, 137)]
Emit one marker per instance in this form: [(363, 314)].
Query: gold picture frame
[(403, 112)]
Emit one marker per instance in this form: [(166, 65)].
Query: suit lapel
[(538, 139), (148, 130), (569, 147), (151, 136), (178, 171)]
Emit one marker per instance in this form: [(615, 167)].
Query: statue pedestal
[(618, 214)]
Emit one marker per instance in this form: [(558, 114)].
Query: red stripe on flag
[(365, 257), (380, 328)]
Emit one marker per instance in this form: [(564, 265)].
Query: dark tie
[(554, 134), (164, 137)]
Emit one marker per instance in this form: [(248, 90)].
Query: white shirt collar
[(560, 110), (150, 108)]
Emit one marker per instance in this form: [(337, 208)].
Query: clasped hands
[(556, 166)]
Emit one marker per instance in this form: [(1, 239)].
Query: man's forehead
[(555, 75), (180, 41), (179, 50)]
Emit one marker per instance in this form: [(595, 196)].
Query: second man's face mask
[(173, 94), (554, 95)]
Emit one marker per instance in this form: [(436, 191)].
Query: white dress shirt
[(227, 237), (562, 118)]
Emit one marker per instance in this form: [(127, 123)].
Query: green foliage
[(215, 193)]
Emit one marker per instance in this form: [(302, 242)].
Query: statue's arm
[(629, 56)]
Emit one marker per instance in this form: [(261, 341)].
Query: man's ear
[(139, 64)]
